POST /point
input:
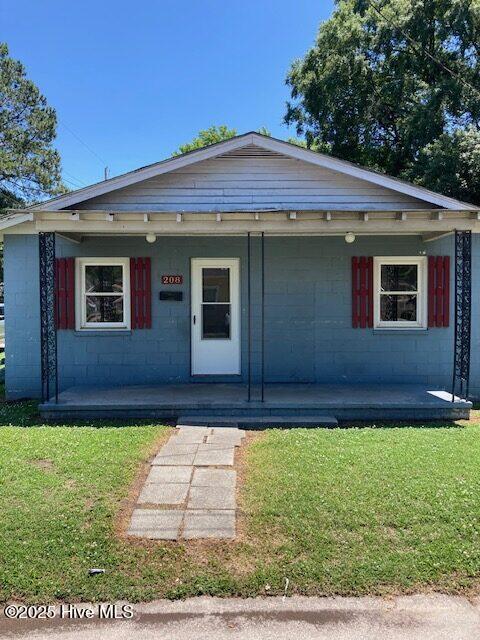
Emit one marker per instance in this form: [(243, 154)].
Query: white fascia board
[(15, 219), (241, 222)]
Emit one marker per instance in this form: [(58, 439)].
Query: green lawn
[(351, 511), (368, 510)]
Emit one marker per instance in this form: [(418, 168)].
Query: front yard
[(350, 511)]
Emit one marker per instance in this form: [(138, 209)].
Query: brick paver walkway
[(190, 489)]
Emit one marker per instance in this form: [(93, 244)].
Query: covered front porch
[(283, 404), (305, 354), (310, 337)]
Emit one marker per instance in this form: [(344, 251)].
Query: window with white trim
[(400, 293), (103, 293)]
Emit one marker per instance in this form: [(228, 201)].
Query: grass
[(61, 491), (344, 511), (358, 511)]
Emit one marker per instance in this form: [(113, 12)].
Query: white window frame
[(80, 295), (422, 301)]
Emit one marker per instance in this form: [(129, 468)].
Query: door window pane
[(398, 307), (215, 321), (399, 277), (104, 308), (103, 278), (216, 285)]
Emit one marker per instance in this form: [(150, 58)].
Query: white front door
[(215, 316)]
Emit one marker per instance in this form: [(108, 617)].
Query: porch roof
[(430, 223)]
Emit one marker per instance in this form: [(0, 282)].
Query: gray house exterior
[(250, 248)]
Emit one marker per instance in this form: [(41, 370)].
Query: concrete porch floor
[(342, 401)]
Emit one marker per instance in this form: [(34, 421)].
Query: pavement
[(433, 617), (189, 492)]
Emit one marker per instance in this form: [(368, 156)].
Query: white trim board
[(13, 219), (263, 142), (84, 223)]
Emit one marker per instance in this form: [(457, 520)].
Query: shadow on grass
[(25, 414), (405, 424)]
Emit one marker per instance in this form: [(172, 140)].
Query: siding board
[(235, 183)]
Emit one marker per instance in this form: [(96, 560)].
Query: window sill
[(400, 330), (102, 332)]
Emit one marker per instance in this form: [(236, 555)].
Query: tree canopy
[(211, 136), (395, 85), (29, 165), (206, 137)]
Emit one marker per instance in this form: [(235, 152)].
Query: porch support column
[(263, 322), (463, 311), (249, 311), (48, 329)]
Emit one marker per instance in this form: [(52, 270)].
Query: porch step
[(257, 422)]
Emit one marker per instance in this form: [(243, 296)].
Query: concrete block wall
[(22, 317), (309, 337)]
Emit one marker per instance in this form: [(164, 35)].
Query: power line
[(423, 49), (104, 162), (77, 186), (72, 177)]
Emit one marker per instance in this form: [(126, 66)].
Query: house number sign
[(172, 279)]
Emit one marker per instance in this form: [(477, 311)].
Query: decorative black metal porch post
[(249, 311), (463, 312), (48, 330), (262, 396)]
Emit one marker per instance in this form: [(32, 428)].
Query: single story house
[(250, 277)]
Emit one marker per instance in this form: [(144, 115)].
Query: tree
[(264, 132), (206, 137), (395, 85), (451, 164), (29, 165), (211, 136)]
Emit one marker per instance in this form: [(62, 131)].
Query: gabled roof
[(263, 142)]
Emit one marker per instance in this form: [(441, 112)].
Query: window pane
[(215, 321), (399, 277), (399, 307), (216, 285), (104, 308), (103, 278)]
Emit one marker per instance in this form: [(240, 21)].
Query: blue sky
[(135, 80)]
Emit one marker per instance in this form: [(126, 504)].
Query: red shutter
[(141, 293), (362, 292), (438, 291), (65, 292)]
